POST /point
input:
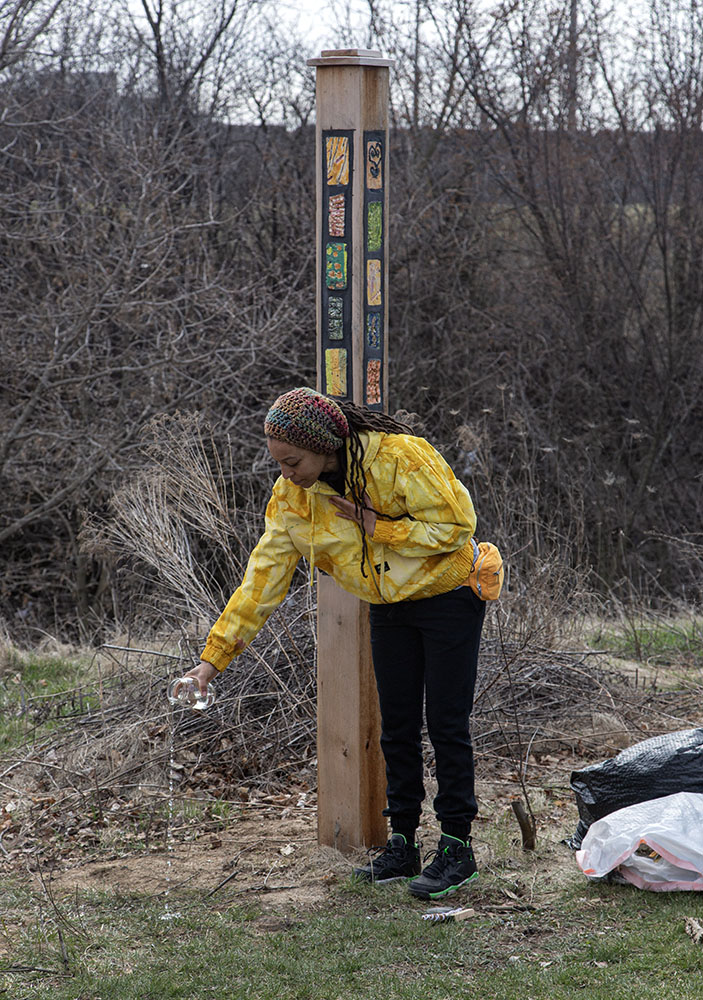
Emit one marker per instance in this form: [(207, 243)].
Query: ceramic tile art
[(336, 371), (373, 282), (336, 217), (336, 265), (374, 226), (335, 318), (374, 165), (337, 160), (373, 382), (342, 219), (373, 330)]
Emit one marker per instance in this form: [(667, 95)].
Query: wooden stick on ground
[(526, 824)]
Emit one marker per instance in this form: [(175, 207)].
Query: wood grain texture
[(350, 772), (352, 88)]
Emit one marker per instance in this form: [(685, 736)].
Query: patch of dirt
[(257, 854), (271, 854)]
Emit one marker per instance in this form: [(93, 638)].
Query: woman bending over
[(380, 511)]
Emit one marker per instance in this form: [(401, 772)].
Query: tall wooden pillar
[(352, 354)]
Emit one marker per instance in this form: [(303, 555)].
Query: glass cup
[(184, 691)]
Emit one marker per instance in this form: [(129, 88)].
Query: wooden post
[(352, 354)]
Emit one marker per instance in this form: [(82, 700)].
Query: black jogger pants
[(428, 649)]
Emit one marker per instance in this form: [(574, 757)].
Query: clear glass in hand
[(186, 692)]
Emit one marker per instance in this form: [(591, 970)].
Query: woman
[(382, 513)]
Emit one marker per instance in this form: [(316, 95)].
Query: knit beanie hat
[(306, 419)]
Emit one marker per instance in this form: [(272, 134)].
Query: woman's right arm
[(265, 584)]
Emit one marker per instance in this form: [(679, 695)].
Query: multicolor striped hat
[(306, 419)]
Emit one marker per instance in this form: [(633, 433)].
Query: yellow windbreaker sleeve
[(265, 584), (441, 516)]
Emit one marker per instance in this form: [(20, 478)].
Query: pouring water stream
[(182, 693)]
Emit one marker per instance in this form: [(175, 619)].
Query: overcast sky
[(319, 22)]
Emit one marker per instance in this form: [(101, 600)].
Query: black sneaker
[(397, 860), (453, 865)]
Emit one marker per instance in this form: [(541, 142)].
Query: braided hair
[(309, 420), (359, 418)]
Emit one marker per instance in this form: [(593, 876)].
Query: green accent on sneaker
[(457, 840), (452, 866), (451, 888)]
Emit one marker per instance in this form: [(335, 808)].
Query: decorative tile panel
[(374, 151), (352, 166), (373, 382), (336, 371), (337, 214), (374, 226), (336, 259), (337, 160), (335, 318), (374, 165), (373, 282), (373, 331)]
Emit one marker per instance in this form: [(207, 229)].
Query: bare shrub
[(180, 524)]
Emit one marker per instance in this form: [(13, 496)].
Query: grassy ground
[(572, 939), (653, 640)]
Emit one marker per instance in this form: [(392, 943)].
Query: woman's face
[(301, 466)]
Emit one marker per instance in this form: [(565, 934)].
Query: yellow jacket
[(428, 551)]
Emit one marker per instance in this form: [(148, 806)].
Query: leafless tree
[(22, 23), (152, 264), (559, 166)]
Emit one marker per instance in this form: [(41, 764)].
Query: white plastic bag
[(656, 845)]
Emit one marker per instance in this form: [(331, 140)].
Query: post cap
[(350, 57)]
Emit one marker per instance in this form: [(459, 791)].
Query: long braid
[(361, 419)]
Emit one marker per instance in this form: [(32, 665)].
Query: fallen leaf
[(694, 929)]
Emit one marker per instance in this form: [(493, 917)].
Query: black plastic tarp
[(651, 769)]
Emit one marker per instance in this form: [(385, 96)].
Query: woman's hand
[(203, 674), (347, 510)]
